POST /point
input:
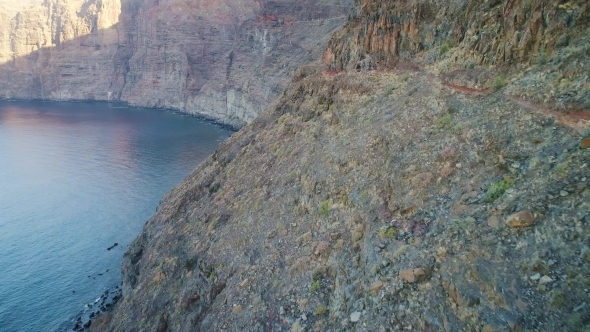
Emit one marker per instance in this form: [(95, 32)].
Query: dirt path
[(577, 120)]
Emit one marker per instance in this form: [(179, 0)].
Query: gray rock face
[(223, 59)]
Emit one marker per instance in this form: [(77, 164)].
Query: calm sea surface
[(75, 178)]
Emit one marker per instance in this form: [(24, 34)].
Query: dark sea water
[(75, 178)]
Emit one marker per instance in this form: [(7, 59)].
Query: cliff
[(223, 59), (430, 175)]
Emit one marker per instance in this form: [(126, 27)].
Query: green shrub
[(542, 58), (497, 189), (443, 48), (315, 286), (324, 208), (367, 102), (321, 310), (558, 299), (387, 233), (445, 121), (499, 82), (388, 91)]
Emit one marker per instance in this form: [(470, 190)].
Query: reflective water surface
[(75, 178)]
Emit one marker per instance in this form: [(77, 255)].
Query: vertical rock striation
[(492, 32), (222, 59)]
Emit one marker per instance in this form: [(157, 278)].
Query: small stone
[(302, 303), (357, 236), (412, 275), (282, 311), (563, 193), (237, 309), (303, 317), (245, 283), (520, 219), (545, 280), (585, 143), (296, 327), (441, 254), (493, 222), (339, 244), (535, 276), (355, 316), (376, 287), (489, 328), (550, 262)]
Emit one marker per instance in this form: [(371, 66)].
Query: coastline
[(229, 125), (89, 302)]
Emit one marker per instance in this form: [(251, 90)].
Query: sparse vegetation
[(558, 299), (324, 208), (388, 91), (497, 189), (499, 82), (367, 101), (560, 170), (462, 223), (387, 233), (445, 121), (576, 322), (444, 47), (541, 58), (315, 286), (321, 310)]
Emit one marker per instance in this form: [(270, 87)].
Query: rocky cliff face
[(223, 59), (413, 186), (489, 32), (466, 34)]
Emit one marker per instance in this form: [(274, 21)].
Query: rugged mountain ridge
[(420, 189), (466, 34), (222, 59), (490, 32)]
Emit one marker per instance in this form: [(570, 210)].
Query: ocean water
[(75, 178)]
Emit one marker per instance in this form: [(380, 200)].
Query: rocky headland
[(429, 174), (224, 59)]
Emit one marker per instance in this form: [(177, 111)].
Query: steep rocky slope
[(223, 59), (420, 189)]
